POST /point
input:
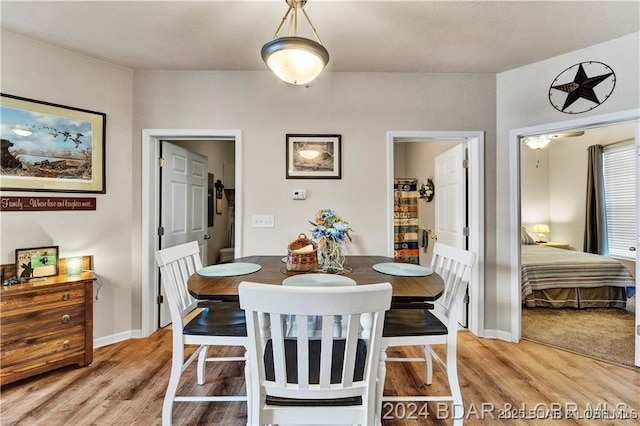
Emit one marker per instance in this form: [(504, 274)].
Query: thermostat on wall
[(299, 194)]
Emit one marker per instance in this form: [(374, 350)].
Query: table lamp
[(541, 229), (74, 265)]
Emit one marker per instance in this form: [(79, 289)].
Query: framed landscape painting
[(50, 147), (314, 156)]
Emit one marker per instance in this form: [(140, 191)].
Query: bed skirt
[(598, 297)]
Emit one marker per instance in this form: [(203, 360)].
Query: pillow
[(526, 238)]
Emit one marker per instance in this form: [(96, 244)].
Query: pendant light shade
[(294, 59), (537, 142)]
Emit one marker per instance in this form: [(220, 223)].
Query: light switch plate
[(262, 221)]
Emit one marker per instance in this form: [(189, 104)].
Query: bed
[(559, 278)]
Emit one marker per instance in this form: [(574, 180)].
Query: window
[(620, 195)]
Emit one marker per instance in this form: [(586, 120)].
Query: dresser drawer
[(19, 302), (46, 347), (35, 323), (44, 325)]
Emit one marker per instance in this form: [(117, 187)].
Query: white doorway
[(183, 205), (151, 204), (515, 201), (475, 208)]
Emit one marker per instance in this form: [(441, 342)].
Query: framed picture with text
[(314, 156), (50, 147), (37, 262)]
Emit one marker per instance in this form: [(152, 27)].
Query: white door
[(450, 197), (183, 203)]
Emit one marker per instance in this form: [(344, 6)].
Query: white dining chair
[(220, 324), (317, 280), (434, 326), (306, 380)]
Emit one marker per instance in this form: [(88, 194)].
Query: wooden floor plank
[(125, 385)]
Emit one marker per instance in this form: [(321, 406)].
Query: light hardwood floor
[(125, 385)]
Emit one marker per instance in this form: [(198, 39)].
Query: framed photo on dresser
[(37, 262)]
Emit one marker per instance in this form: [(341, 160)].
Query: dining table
[(409, 287)]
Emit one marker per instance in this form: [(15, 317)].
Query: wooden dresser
[(46, 324)]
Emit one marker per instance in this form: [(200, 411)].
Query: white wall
[(362, 107), (522, 101), (559, 198), (534, 172), (42, 72)]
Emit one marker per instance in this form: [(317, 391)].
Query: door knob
[(632, 248), (206, 237)]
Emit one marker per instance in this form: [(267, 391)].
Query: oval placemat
[(229, 269), (402, 269), (318, 280)]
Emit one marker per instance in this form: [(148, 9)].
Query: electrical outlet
[(262, 221)]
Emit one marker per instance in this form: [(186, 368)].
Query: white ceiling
[(361, 36)]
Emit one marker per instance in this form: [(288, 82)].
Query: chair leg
[(177, 361), (454, 385), (247, 381), (428, 364), (382, 374), (202, 361)]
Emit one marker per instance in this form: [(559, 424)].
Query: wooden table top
[(274, 271)]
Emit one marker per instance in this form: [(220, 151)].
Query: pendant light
[(294, 59)]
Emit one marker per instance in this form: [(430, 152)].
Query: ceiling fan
[(541, 141)]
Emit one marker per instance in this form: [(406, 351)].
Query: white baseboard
[(115, 338), (498, 334)]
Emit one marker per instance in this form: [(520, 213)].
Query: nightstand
[(555, 244)]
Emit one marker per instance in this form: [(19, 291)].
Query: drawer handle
[(65, 318), (65, 296), (66, 344)]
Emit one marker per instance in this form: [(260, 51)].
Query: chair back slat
[(353, 328), (276, 324), (330, 381), (454, 266), (303, 352), (326, 351)]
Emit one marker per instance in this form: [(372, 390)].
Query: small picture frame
[(314, 156), (37, 262)]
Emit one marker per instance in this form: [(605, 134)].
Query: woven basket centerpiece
[(302, 254)]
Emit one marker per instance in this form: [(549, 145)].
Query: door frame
[(514, 165), (151, 204), (475, 207)]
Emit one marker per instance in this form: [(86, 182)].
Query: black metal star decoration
[(581, 87)]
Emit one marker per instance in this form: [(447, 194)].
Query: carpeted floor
[(601, 333)]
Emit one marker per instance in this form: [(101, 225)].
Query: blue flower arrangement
[(330, 226)]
